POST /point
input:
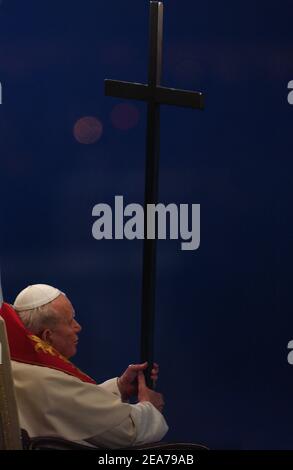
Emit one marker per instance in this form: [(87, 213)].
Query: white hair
[(38, 319)]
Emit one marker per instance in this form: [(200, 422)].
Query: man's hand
[(127, 383), (146, 394)]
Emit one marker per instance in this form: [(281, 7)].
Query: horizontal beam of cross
[(157, 94)]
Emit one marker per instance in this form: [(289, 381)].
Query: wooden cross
[(154, 95)]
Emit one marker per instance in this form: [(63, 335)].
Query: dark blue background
[(224, 312)]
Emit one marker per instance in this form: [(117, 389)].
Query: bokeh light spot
[(124, 116), (88, 130)]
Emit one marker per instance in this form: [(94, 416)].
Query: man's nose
[(77, 326)]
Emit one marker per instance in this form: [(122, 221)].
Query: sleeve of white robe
[(146, 424), (111, 386), (149, 422)]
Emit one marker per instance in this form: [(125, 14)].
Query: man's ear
[(46, 335)]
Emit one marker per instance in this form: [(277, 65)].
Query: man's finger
[(141, 379), (137, 367)]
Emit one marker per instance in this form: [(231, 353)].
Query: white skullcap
[(35, 296)]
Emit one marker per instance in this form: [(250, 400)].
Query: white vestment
[(53, 403)]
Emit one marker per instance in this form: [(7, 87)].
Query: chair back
[(10, 434)]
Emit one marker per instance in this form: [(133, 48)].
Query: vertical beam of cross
[(151, 186), (155, 95)]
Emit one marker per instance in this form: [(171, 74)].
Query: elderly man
[(56, 399)]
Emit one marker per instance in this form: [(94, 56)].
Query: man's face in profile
[(64, 335)]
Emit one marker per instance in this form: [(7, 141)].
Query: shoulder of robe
[(39, 376)]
